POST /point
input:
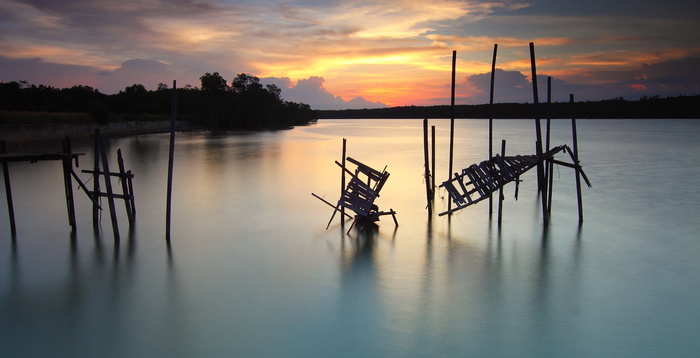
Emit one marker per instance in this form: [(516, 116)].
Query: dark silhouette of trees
[(646, 107), (213, 83), (244, 105)]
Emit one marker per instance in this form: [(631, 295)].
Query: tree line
[(244, 104), (646, 107)]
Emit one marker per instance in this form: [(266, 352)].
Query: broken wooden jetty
[(101, 168), (360, 193), (480, 181)]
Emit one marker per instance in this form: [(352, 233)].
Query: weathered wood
[(432, 177), (125, 187), (113, 195), (500, 191), (329, 204), (576, 161), (426, 173), (125, 175), (463, 186), (85, 189), (541, 183), (68, 183), (346, 170), (171, 160), (130, 183), (96, 183), (456, 196), (493, 77), (8, 193), (66, 156), (452, 119), (489, 176), (342, 177), (110, 193)]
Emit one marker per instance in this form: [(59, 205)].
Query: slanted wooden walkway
[(479, 181)]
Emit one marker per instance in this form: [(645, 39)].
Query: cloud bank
[(666, 79), (339, 54)]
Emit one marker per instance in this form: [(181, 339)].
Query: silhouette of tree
[(213, 82)]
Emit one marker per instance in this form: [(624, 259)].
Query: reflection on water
[(252, 272)]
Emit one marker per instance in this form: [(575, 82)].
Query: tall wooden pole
[(541, 183), (452, 121), (8, 193), (493, 77), (110, 192), (500, 191), (578, 164), (128, 199), (67, 162), (549, 112), (550, 165), (96, 184), (426, 174), (342, 181), (432, 163), (171, 159)]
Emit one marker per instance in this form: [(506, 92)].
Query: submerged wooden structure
[(101, 169), (480, 181), (360, 193)]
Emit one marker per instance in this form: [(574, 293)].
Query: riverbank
[(18, 136)]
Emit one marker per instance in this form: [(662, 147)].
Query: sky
[(360, 54)]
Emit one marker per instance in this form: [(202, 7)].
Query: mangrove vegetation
[(244, 104)]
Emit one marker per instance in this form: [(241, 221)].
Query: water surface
[(252, 272)]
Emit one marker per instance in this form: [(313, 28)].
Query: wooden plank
[(454, 194), (126, 175), (474, 178), (328, 203), (464, 187)]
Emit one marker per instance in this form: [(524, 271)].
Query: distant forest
[(245, 104), (646, 107)]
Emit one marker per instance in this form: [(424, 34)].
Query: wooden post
[(550, 166), (550, 185), (171, 158), (541, 183), (130, 182), (578, 164), (342, 181), (110, 192), (428, 193), (500, 191), (128, 199), (549, 112), (432, 170), (96, 183), (452, 121), (493, 77), (67, 162), (8, 193)]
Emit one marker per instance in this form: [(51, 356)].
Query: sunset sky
[(359, 54)]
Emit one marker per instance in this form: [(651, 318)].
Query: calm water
[(252, 272)]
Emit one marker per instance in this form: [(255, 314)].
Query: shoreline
[(19, 136)]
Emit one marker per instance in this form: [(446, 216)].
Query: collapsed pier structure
[(360, 193), (100, 170), (480, 181)]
